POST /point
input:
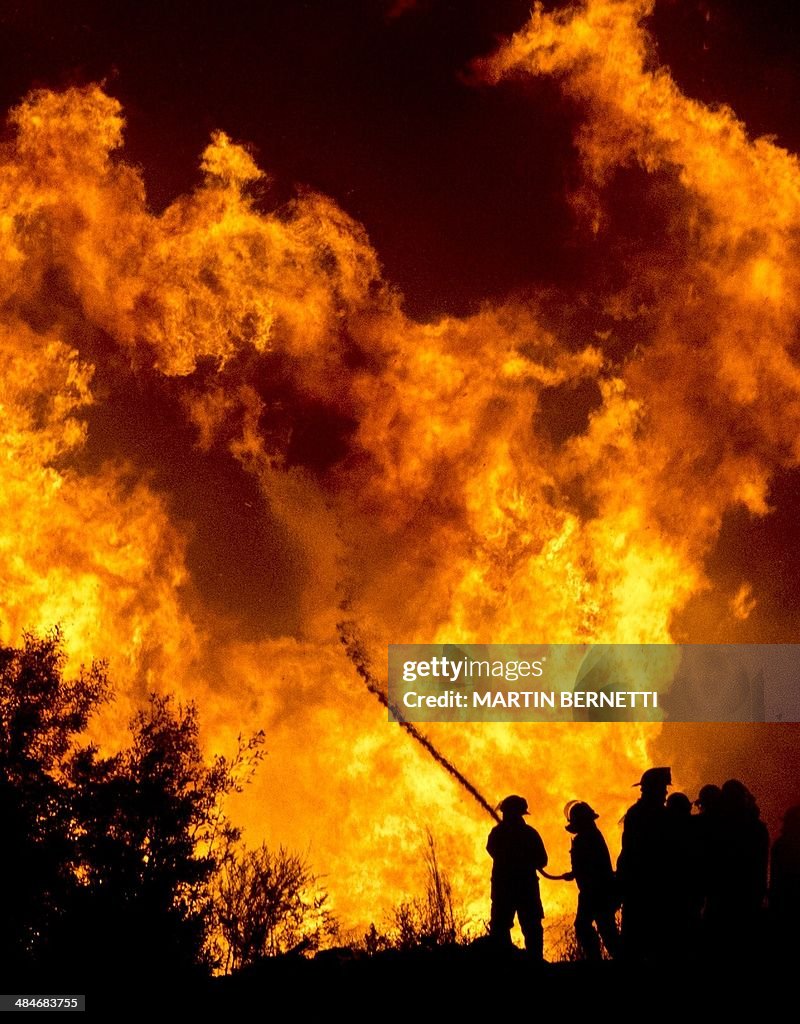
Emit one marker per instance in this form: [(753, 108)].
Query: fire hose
[(348, 635)]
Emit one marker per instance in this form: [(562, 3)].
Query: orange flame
[(404, 468)]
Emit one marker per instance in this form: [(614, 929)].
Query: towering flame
[(220, 427)]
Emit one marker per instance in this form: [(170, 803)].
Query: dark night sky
[(461, 189), (370, 107)]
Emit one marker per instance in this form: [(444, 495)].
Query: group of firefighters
[(688, 884)]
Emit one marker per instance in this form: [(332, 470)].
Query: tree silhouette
[(153, 835), (106, 860), (41, 714)]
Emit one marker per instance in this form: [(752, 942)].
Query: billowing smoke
[(220, 427)]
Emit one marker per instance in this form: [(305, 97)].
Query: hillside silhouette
[(125, 867)]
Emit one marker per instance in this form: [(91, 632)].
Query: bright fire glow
[(443, 511)]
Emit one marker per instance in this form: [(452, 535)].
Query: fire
[(404, 470)]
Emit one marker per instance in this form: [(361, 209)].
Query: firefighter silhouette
[(737, 875), (643, 869), (784, 886), (517, 853), (597, 889)]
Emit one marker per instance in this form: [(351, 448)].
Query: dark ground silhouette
[(106, 867)]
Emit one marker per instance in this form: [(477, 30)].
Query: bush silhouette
[(433, 919), (268, 903)]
